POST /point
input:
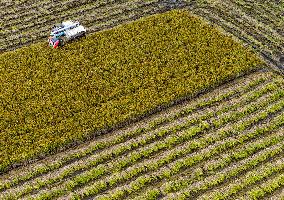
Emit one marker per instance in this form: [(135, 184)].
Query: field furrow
[(220, 135), (142, 181), (246, 164), (235, 186), (264, 188)]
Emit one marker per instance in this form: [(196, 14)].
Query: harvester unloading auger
[(66, 31)]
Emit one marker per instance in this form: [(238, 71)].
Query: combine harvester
[(64, 32)]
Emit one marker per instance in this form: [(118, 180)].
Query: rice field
[(225, 143), (258, 24), (54, 99)]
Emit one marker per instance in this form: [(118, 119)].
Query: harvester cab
[(64, 32)]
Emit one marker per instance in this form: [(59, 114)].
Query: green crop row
[(170, 141), (55, 98), (228, 173), (154, 124), (155, 164), (217, 123), (248, 149), (209, 102), (264, 129), (237, 154), (267, 187), (174, 168), (251, 178)]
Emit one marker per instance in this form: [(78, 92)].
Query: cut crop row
[(249, 32), (259, 47), (241, 18), (227, 26), (262, 12), (238, 20), (54, 10), (39, 32), (103, 12)]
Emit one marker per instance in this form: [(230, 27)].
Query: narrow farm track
[(235, 130)]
